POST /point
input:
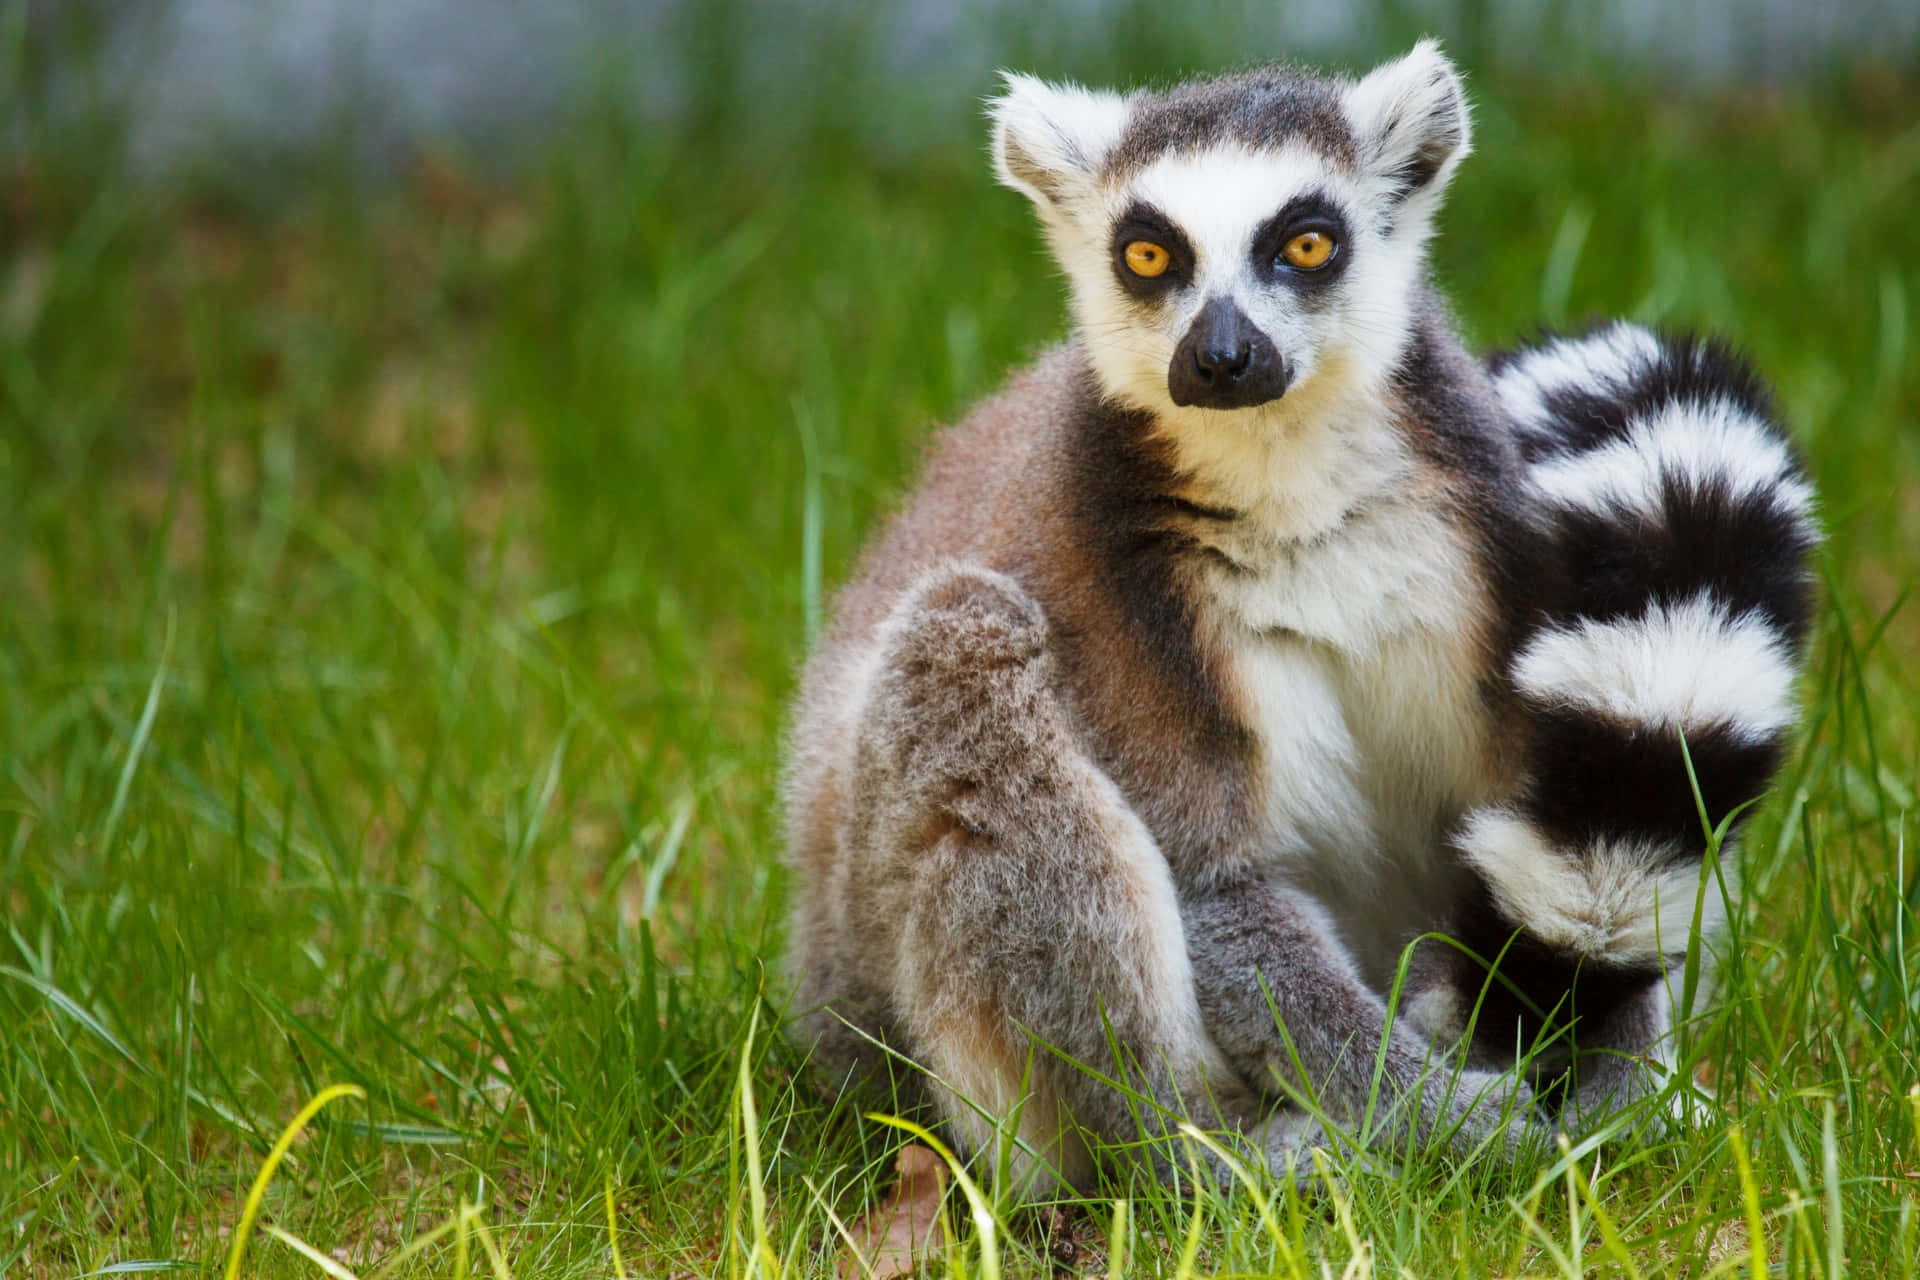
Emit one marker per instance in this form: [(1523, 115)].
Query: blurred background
[(206, 82), (431, 429), (219, 85)]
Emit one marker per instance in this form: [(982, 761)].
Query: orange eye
[(1145, 258), (1309, 250)]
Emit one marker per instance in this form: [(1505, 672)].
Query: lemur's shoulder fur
[(1072, 497), (1259, 629)]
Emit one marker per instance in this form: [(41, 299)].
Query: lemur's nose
[(1225, 362), (1217, 363)]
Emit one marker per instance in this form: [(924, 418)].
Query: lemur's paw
[(1288, 1138), (1635, 1097), (1495, 1111), (1435, 1008)]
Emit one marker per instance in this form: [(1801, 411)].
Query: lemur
[(1259, 630)]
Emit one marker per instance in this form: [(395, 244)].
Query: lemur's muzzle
[(1225, 362)]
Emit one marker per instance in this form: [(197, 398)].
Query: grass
[(402, 590)]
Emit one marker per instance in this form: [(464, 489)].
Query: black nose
[(1225, 362), (1219, 363)]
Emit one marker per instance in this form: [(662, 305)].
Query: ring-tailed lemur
[(1259, 629)]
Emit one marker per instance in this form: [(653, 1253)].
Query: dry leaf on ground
[(892, 1238)]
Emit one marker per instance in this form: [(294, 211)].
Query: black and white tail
[(1680, 523)]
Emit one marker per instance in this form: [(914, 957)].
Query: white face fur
[(1225, 209)]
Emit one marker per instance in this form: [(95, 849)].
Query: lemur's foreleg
[(1290, 1011)]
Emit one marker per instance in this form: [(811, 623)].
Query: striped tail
[(1681, 523)]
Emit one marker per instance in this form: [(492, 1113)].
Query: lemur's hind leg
[(1023, 916), (1666, 657)]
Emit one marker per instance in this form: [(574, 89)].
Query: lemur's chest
[(1358, 662)]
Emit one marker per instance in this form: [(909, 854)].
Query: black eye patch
[(1142, 221), (1313, 211)]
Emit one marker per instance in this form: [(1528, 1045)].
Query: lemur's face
[(1218, 279), (1234, 242)]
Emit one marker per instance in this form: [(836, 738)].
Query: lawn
[(400, 589)]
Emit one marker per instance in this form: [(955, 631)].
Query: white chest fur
[(1356, 652)]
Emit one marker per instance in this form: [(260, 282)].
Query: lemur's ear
[(1410, 118), (1049, 139)]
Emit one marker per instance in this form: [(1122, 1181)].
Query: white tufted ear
[(1410, 119), (1049, 139)]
